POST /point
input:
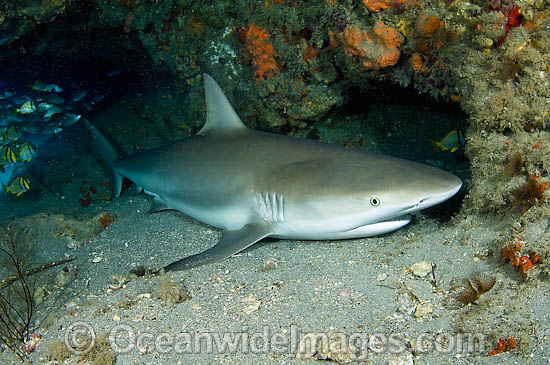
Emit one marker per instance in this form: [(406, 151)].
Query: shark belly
[(290, 230)]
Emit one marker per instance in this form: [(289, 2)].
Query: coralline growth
[(375, 47), (261, 51)]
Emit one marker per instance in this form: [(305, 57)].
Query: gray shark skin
[(253, 184)]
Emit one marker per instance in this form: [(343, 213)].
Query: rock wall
[(291, 62)]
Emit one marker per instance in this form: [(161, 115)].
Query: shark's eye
[(374, 201)]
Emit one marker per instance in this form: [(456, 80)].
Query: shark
[(254, 184)]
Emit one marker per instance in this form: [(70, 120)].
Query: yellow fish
[(17, 186), (7, 155), (27, 108), (451, 142)]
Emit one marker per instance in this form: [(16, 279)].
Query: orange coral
[(522, 263), (535, 257), (106, 220), (426, 25), (525, 264), (417, 63), (261, 50), (377, 5), (310, 53), (512, 251), (427, 32), (376, 46), (539, 188), (503, 345)]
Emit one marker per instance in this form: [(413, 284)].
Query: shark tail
[(110, 154)]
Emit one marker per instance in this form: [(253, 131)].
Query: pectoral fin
[(232, 242)]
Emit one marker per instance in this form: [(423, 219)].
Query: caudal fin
[(110, 154)]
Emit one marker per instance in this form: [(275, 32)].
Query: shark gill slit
[(271, 207)]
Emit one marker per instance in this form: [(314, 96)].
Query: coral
[(427, 32), (58, 351), (529, 193), (503, 345), (514, 165), (417, 63), (16, 295), (310, 53), (514, 20), (522, 263), (473, 288), (512, 251), (97, 351), (377, 5), (170, 291), (377, 47), (105, 220), (261, 50), (426, 25)]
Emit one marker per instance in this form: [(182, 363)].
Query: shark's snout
[(446, 191)]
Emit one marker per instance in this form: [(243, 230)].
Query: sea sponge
[(377, 47), (377, 5), (427, 33), (472, 288), (58, 351), (260, 49), (170, 291)]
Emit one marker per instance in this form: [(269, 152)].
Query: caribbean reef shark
[(254, 184)]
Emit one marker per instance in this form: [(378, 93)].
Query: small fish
[(11, 134), (53, 98), (79, 95), (6, 94), (51, 129), (5, 105), (21, 99), (112, 73), (27, 108), (451, 142), (38, 86), (70, 119), (56, 109), (44, 106), (17, 186), (53, 88), (7, 155), (9, 117), (26, 151)]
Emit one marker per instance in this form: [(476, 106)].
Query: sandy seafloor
[(271, 295)]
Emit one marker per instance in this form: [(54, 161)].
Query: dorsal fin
[(220, 115)]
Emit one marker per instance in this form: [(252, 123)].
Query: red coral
[(514, 20), (503, 345), (106, 220)]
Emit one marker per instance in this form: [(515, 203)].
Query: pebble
[(421, 268), (422, 310)]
